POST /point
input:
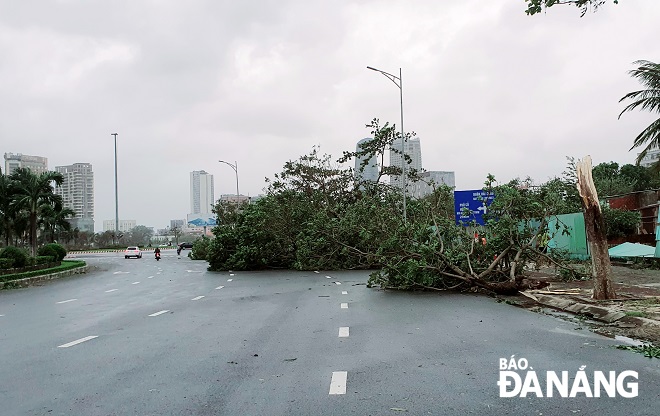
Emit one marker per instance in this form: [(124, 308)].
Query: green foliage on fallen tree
[(318, 215)]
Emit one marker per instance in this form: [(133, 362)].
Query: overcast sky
[(487, 88)]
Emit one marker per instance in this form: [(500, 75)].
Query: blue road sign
[(476, 201)]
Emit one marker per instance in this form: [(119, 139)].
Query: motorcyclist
[(157, 252)]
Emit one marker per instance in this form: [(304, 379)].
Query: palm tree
[(6, 221), (648, 74), (54, 219), (30, 192)]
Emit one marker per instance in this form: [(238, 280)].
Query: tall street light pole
[(398, 81), (235, 167), (116, 191)]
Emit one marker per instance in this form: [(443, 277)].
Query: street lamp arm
[(235, 167), (399, 84), (389, 76), (227, 163)]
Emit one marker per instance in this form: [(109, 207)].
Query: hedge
[(66, 265)]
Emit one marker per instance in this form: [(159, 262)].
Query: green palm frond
[(648, 74)]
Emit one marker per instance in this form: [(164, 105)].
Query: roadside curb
[(598, 313), (72, 254), (31, 280)]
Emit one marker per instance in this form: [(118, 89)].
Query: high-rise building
[(413, 149), (201, 192), (36, 164), (124, 225), (430, 180), (177, 224), (366, 168), (651, 157), (77, 192)]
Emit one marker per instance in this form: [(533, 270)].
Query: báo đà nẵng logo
[(518, 379)]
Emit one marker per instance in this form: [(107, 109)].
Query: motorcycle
[(157, 256)]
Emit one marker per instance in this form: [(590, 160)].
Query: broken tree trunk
[(595, 227)]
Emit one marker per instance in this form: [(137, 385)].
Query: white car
[(133, 252)]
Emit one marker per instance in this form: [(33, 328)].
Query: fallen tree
[(316, 215)]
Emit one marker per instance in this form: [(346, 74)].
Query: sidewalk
[(635, 313)]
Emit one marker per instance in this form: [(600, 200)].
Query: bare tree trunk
[(595, 227)]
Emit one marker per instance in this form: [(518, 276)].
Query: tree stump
[(595, 228)]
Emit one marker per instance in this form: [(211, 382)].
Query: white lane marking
[(338, 382), (159, 313), (197, 298), (337, 283), (344, 305), (67, 301), (328, 277), (158, 273), (219, 287), (111, 290), (150, 277), (195, 271), (231, 274), (229, 280), (78, 341), (1, 315), (316, 271), (344, 292), (135, 283), (121, 273), (343, 332)]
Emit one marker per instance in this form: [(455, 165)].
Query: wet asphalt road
[(140, 337)]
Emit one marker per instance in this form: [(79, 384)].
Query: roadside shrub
[(20, 257), (58, 251), (6, 264), (48, 250), (44, 259)]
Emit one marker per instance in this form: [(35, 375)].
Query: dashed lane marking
[(197, 298), (229, 280), (231, 274), (78, 341), (316, 271), (338, 382), (343, 332), (150, 277), (219, 287), (344, 305), (159, 313), (111, 290), (344, 292), (135, 283), (328, 277), (68, 300), (337, 283)]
